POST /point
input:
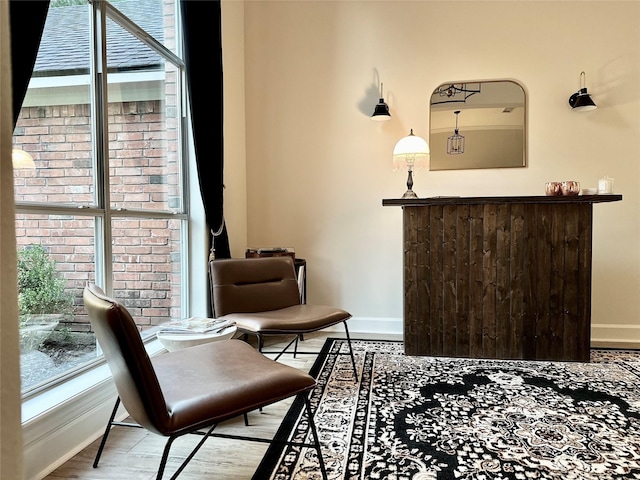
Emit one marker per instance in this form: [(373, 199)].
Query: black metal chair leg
[(106, 433), (284, 350), (316, 439), (295, 346), (191, 455), (165, 456), (353, 360)]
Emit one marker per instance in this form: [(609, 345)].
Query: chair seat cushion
[(295, 319), (216, 381)]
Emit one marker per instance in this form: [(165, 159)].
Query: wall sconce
[(381, 112), (581, 100), (22, 160), (414, 152), (455, 143)]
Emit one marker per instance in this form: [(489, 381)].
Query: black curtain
[(27, 24), (202, 27)]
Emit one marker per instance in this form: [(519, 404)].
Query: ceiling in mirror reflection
[(491, 125)]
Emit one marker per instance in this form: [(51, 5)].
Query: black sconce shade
[(381, 112), (581, 100)]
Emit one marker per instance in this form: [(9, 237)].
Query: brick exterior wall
[(144, 174)]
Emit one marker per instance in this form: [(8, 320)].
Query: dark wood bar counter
[(498, 277)]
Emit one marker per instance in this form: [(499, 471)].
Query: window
[(101, 195)]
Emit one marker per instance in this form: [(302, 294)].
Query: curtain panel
[(27, 24), (202, 30)]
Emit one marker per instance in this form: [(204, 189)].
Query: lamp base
[(409, 194)]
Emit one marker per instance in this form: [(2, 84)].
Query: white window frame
[(59, 422)]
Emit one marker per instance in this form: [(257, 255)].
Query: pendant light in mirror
[(455, 143)]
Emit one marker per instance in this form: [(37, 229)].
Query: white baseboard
[(52, 442), (59, 423), (615, 335), (376, 325), (602, 335)]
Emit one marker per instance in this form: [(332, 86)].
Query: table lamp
[(412, 151)]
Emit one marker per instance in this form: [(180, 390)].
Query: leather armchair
[(187, 390), (261, 296)]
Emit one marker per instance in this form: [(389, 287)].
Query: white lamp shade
[(411, 145), (411, 150)]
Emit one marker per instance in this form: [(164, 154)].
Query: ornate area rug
[(419, 418)]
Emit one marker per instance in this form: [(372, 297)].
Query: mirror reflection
[(477, 125)]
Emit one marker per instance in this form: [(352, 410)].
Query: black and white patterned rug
[(423, 418)]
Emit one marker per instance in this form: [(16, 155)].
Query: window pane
[(143, 121), (147, 268), (55, 261), (54, 126), (155, 17)]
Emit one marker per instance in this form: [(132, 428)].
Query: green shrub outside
[(40, 288)]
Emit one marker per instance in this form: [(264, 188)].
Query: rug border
[(271, 457)]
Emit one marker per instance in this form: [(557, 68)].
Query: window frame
[(102, 211)]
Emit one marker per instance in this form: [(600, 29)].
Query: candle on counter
[(605, 185)]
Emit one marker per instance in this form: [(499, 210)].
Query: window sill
[(50, 399)]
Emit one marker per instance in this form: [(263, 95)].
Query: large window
[(99, 179)]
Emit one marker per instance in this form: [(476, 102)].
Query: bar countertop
[(484, 200)]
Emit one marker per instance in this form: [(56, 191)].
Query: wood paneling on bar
[(498, 277)]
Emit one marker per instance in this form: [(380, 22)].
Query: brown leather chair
[(261, 296), (193, 389)]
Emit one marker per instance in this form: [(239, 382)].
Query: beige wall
[(317, 168), (235, 174)]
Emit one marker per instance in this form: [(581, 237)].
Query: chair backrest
[(130, 365), (249, 285)]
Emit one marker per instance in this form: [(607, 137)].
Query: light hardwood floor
[(134, 454)]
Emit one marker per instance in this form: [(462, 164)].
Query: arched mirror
[(477, 125)]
